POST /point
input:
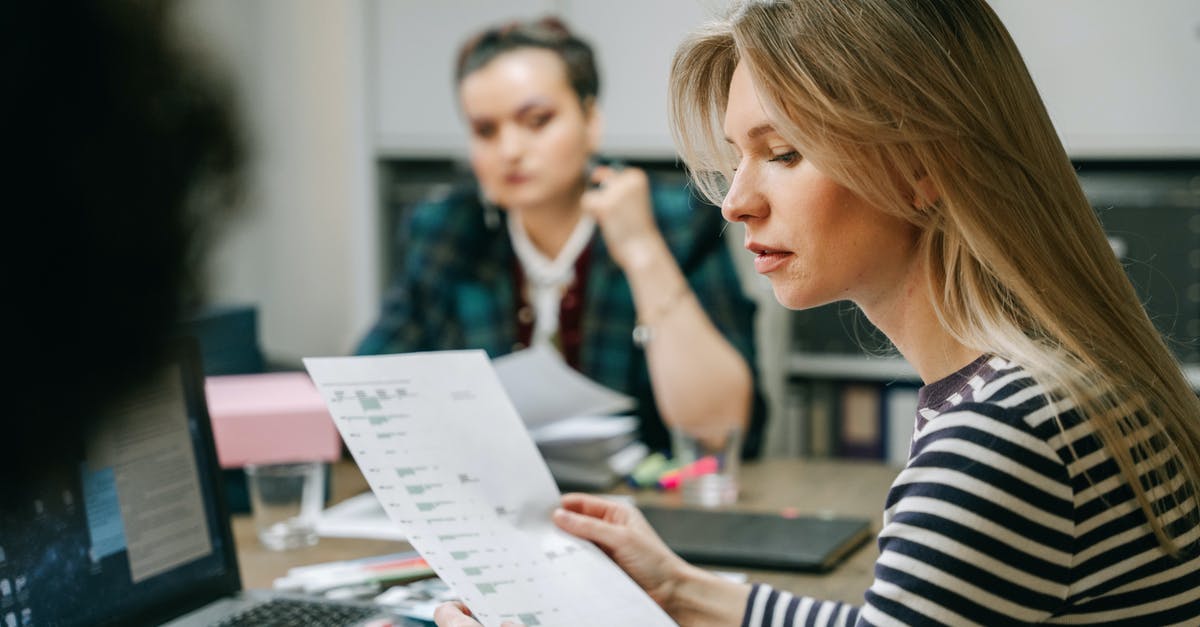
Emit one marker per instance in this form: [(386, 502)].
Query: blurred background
[(351, 112)]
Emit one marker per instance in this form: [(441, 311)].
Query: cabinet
[(1119, 78), (413, 44)]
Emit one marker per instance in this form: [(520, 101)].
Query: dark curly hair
[(123, 151), (548, 33)]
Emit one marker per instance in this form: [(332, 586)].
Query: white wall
[(1119, 78), (305, 250), (413, 45)]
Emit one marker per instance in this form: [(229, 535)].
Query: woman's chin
[(786, 297), (794, 300)]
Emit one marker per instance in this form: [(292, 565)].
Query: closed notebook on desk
[(758, 540)]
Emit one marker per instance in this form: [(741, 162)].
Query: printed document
[(454, 467)]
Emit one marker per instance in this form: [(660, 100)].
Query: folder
[(758, 540)]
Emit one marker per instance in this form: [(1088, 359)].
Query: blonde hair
[(881, 94)]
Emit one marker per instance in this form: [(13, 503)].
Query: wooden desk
[(840, 487)]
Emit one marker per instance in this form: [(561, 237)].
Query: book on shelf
[(900, 419), (856, 419), (860, 432)]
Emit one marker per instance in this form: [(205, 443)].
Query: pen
[(325, 567), (704, 466), (648, 471), (381, 570), (383, 577)]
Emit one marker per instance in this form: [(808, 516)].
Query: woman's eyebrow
[(757, 131), (531, 104)]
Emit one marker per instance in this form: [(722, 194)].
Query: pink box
[(270, 418)]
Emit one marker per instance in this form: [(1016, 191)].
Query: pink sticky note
[(274, 417)]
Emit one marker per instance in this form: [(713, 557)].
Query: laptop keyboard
[(295, 612)]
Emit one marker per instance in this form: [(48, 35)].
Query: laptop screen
[(133, 530)]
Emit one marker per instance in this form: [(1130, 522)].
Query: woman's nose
[(512, 142), (743, 200)]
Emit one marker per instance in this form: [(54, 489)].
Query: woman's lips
[(766, 262), (516, 179), (766, 258)]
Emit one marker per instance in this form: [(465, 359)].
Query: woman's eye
[(484, 132), (788, 157), (540, 120)]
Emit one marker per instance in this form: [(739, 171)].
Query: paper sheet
[(443, 449), (360, 516), (545, 389)]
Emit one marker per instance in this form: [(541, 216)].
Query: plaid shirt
[(453, 289)]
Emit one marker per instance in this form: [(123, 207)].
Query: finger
[(604, 533), (591, 505), (606, 175), (453, 614), (599, 174)]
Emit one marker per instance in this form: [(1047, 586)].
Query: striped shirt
[(994, 521)]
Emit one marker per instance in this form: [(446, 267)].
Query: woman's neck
[(549, 226), (908, 318)]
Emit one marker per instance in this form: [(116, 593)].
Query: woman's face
[(814, 239), (530, 135)]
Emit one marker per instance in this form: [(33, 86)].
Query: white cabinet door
[(411, 54), (414, 42), (1120, 78), (635, 41)]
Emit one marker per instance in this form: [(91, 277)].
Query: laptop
[(758, 540), (134, 530)]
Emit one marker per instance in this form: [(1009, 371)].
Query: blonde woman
[(896, 154)]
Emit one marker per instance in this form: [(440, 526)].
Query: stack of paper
[(359, 516), (590, 453), (570, 419)]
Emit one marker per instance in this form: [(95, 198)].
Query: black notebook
[(758, 540)]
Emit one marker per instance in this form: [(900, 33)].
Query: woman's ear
[(925, 193), (595, 123)]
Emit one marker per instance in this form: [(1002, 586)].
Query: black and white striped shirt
[(994, 522)]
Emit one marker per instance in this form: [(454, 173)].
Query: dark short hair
[(125, 156), (548, 33)]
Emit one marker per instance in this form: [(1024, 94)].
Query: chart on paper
[(453, 465)]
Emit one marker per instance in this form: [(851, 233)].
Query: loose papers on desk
[(567, 415), (545, 389), (444, 450), (360, 516)]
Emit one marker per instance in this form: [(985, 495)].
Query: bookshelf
[(853, 406), (824, 366), (857, 406)]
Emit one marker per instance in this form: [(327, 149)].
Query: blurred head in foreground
[(122, 153)]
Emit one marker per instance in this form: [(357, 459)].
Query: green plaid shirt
[(453, 289)]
